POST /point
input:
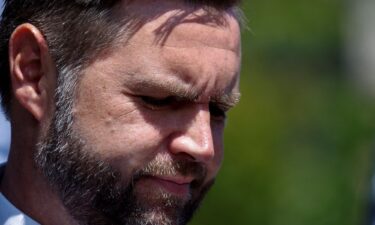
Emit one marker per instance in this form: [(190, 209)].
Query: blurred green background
[(300, 144)]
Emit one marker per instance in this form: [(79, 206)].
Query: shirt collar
[(10, 215)]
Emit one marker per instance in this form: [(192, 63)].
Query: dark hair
[(75, 31)]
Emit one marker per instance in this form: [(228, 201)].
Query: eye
[(157, 103), (217, 112)]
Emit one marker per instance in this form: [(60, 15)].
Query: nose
[(194, 136)]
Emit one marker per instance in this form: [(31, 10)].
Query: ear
[(32, 70)]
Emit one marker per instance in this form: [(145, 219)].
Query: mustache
[(165, 166)]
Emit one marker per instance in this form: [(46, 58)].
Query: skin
[(148, 98)]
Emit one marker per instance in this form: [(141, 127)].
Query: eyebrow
[(227, 101), (181, 91)]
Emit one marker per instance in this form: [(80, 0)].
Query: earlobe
[(29, 69)]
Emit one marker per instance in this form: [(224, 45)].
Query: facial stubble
[(95, 193)]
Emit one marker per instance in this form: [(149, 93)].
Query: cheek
[(118, 133), (126, 145)]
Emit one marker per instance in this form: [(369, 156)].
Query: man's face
[(150, 114)]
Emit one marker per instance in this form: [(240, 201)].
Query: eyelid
[(156, 103), (217, 109), (155, 100)]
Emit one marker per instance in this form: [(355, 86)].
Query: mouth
[(177, 186)]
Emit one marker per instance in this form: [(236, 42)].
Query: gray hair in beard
[(81, 180), (93, 191)]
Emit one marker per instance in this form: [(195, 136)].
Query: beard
[(95, 193)]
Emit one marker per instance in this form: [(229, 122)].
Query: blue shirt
[(10, 215)]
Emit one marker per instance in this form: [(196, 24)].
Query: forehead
[(158, 20), (174, 42)]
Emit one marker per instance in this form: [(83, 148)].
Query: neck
[(26, 188)]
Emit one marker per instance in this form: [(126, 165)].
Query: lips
[(178, 186), (175, 180)]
